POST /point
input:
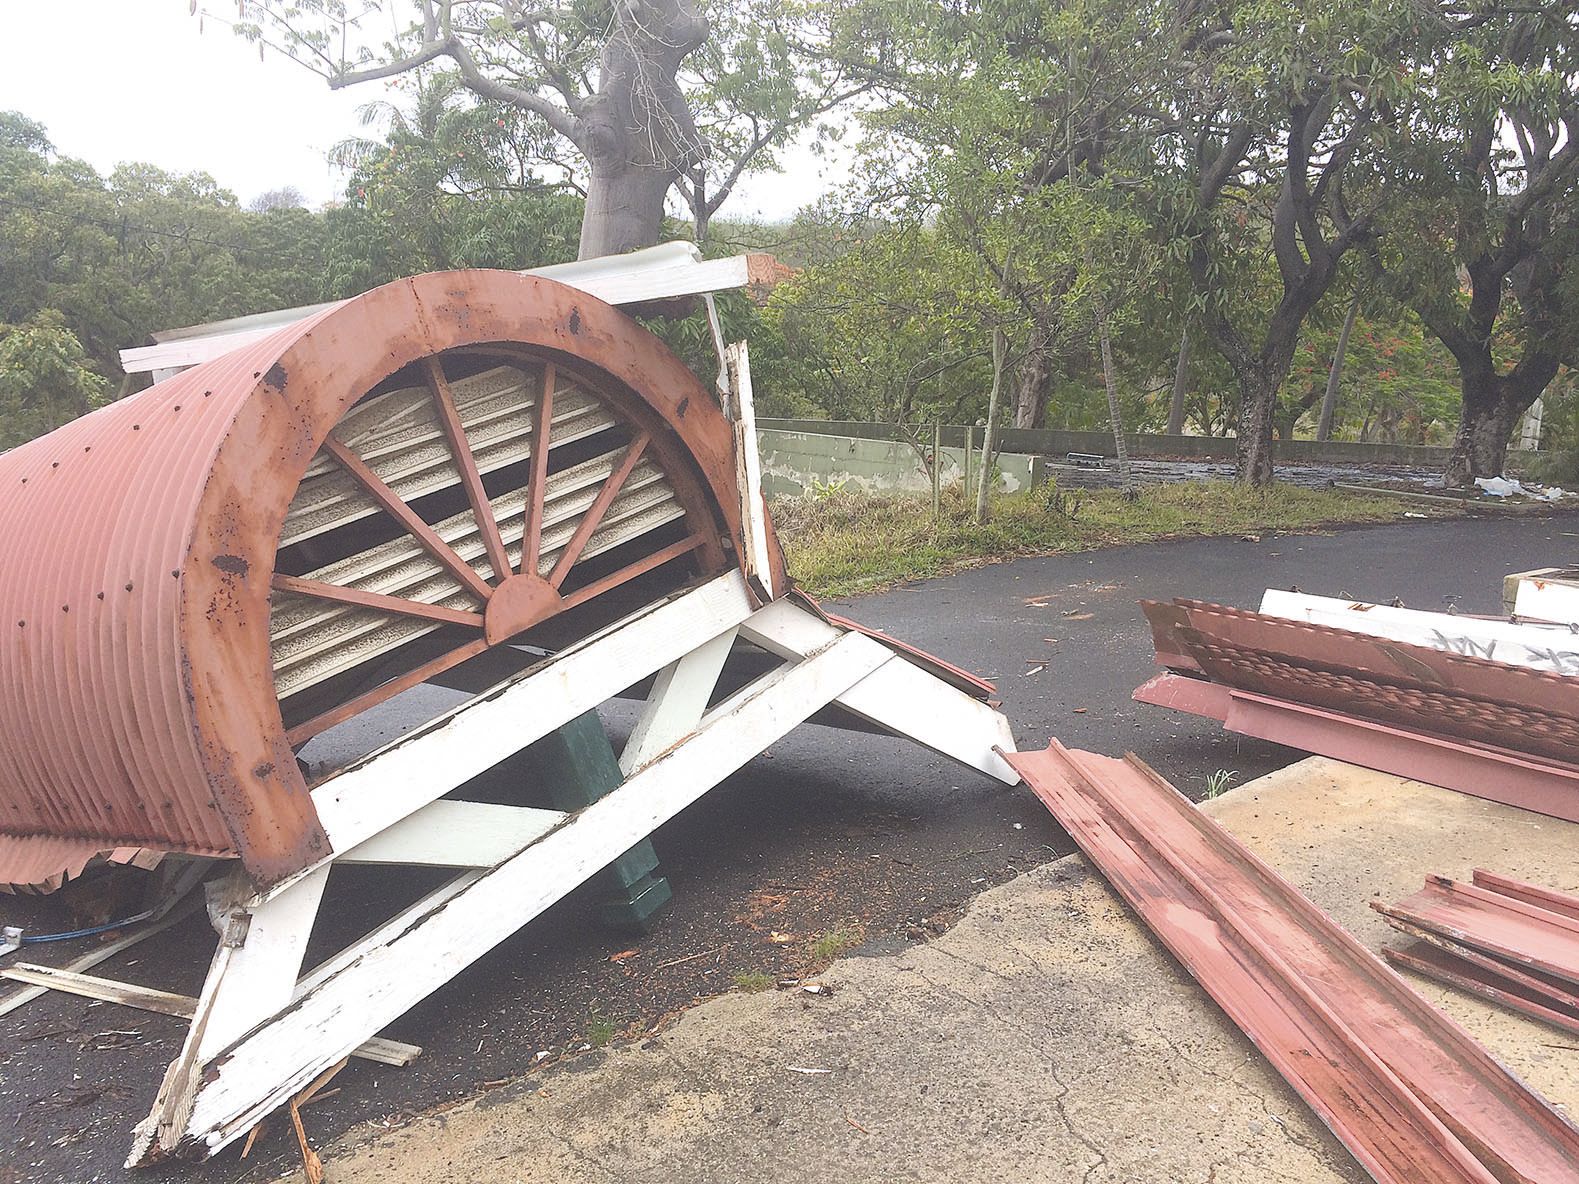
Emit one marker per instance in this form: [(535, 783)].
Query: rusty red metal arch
[(137, 706)]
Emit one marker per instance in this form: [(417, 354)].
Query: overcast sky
[(118, 80)]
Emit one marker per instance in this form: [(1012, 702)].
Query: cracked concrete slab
[(1046, 1037)]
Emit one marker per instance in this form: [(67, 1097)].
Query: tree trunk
[(1253, 453), (1492, 404), (1259, 375), (1181, 382), (989, 439), (1030, 386), (639, 135), (1115, 413), (624, 209), (1329, 401)]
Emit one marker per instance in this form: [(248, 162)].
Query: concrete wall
[(793, 460), (1056, 443)]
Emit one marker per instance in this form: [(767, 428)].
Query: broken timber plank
[(105, 952), (1409, 1092), (107, 990)]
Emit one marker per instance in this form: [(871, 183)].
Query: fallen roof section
[(1500, 731), (668, 271), (1411, 1094)]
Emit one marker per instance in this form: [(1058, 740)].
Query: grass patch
[(753, 982), (1218, 784), (844, 543), (600, 1030), (835, 942)]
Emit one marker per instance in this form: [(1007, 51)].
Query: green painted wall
[(794, 460)]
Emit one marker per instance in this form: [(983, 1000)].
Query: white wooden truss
[(261, 1030)]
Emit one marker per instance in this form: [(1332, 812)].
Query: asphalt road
[(829, 831)]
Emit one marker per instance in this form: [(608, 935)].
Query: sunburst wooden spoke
[(594, 515), (377, 600), (303, 732), (532, 540), (392, 504), (365, 612), (641, 567), (466, 465)]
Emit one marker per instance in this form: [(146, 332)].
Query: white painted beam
[(680, 692), (456, 834), (666, 272), (406, 960), (393, 783), (899, 696), (108, 990), (753, 510), (251, 982), (1539, 647)]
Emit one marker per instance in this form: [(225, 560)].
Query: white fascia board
[(665, 272)]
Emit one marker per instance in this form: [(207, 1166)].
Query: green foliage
[(448, 184), (836, 941), (1218, 784), (44, 378), (138, 250), (92, 264), (1400, 386)]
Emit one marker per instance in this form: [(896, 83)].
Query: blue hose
[(29, 939)]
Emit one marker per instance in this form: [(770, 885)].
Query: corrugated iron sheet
[(1412, 1095), (137, 703), (39, 864)]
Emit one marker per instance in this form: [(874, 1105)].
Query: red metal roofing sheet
[(1479, 979), (137, 700), (1407, 1090), (1510, 929)]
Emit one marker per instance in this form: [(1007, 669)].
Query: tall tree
[(634, 96), (45, 379), (1482, 232), (1284, 103), (991, 105)]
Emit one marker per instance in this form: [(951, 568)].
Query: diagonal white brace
[(680, 692), (900, 696), (224, 1095)]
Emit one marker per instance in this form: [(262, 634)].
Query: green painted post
[(578, 765)]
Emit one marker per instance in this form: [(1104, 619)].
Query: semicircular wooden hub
[(517, 604), (462, 503)]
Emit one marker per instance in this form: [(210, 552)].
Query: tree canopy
[(1164, 211)]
